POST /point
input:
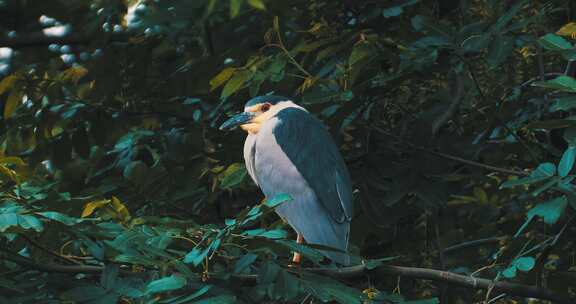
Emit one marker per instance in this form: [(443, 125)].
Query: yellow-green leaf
[(235, 6), (74, 74), (12, 160), (259, 4), (122, 212), (221, 78), (12, 102), (568, 30), (7, 83), (235, 83), (90, 207)]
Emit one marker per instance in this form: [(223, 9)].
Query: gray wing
[(249, 154), (310, 147)]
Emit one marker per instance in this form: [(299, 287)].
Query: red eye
[(265, 107)]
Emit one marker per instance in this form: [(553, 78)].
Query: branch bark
[(511, 289), (37, 39)]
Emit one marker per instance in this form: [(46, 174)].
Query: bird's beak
[(236, 120)]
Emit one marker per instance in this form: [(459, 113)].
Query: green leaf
[(286, 287), (562, 83), (258, 4), (544, 169), (398, 9), (524, 263), (277, 200), (172, 282), (509, 272), (270, 234), (567, 161), (233, 176), (522, 181), (60, 217), (7, 83), (507, 17), (554, 42), (235, 6), (12, 102), (565, 103), (476, 43), (221, 78), (550, 210), (188, 298), (235, 83), (359, 52), (244, 262)]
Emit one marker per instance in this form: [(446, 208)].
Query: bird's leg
[(297, 257)]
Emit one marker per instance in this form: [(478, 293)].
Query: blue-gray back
[(310, 147)]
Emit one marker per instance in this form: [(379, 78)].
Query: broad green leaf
[(172, 282), (8, 220), (476, 43), (60, 217), (359, 52), (235, 6), (568, 30), (235, 83), (398, 9), (270, 234), (221, 78), (7, 83), (554, 43), (244, 262), (30, 222), (567, 161), (509, 272), (562, 83), (522, 181), (90, 207), (277, 200), (565, 103), (286, 287), (259, 4), (233, 176), (550, 210), (545, 169), (524, 263), (507, 17), (12, 102), (188, 298)]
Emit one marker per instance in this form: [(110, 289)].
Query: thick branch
[(23, 40), (350, 272), (511, 289)]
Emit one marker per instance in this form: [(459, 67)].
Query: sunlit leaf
[(172, 282), (554, 43), (567, 161), (221, 78)]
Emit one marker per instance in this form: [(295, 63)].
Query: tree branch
[(23, 40), (511, 289)]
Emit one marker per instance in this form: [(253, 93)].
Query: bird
[(289, 151)]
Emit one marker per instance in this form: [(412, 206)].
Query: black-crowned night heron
[(288, 150)]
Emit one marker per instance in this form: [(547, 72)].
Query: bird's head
[(257, 111)]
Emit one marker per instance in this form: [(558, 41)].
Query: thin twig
[(456, 158)]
